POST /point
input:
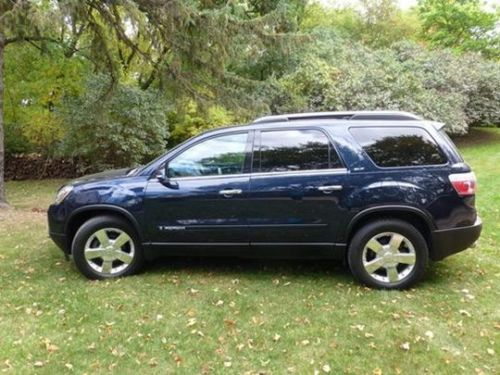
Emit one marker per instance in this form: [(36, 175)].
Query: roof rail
[(351, 115)]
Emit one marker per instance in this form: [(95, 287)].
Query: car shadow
[(336, 270), (246, 266)]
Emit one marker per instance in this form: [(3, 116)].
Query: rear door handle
[(230, 192), (330, 188)]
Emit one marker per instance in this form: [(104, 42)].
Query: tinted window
[(216, 156), (399, 147), (294, 150)]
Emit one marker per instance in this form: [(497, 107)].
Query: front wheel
[(106, 247), (388, 254)]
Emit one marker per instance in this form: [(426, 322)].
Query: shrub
[(114, 126), (438, 85)]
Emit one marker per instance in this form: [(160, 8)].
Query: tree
[(377, 23), (460, 24), (182, 48)]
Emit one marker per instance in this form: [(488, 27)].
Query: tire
[(96, 261), (388, 254)]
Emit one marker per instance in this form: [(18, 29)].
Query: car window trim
[(305, 172)]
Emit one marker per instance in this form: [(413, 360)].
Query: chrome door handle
[(330, 188), (230, 192)]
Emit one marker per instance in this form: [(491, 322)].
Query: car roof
[(350, 118)]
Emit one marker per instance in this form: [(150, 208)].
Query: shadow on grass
[(478, 137), (248, 267), (336, 271)]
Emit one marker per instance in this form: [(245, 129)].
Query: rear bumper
[(451, 241)]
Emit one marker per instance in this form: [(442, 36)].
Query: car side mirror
[(164, 179)]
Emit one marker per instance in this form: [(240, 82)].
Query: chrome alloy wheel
[(389, 257), (109, 251)]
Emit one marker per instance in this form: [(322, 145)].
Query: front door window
[(222, 155)]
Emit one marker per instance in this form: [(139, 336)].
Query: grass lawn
[(241, 316)]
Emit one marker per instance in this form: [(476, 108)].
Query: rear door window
[(294, 150), (399, 146)]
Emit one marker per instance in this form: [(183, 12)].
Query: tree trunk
[(3, 200)]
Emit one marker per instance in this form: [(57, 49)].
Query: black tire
[(372, 229), (88, 229)]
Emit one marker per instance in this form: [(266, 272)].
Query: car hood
[(106, 175)]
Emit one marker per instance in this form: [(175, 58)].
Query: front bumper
[(451, 241), (56, 219)]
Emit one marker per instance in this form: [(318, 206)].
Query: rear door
[(296, 187)]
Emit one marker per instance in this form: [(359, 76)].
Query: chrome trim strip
[(312, 172), (309, 172)]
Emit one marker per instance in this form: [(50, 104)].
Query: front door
[(296, 188), (205, 199)]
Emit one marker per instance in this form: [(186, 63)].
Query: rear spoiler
[(437, 125)]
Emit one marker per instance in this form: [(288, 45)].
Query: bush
[(483, 107), (191, 121), (114, 126), (437, 85)]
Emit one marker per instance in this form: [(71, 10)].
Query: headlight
[(63, 193)]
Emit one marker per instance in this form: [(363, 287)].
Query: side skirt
[(282, 250)]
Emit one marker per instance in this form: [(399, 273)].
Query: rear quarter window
[(399, 146)]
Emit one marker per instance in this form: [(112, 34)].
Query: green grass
[(236, 316)]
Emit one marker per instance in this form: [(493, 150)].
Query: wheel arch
[(81, 215), (415, 216)]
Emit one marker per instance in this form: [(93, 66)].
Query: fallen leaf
[(153, 362), (405, 346)]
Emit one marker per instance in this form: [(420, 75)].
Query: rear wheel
[(106, 247), (388, 254)]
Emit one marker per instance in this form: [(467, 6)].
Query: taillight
[(464, 183)]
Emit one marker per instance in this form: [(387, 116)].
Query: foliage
[(35, 83), (434, 84), (120, 127), (187, 120), (377, 23), (460, 24), (245, 316), (483, 105)]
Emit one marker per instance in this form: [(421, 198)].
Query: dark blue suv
[(385, 191)]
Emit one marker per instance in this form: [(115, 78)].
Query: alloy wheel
[(389, 257), (109, 251)]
